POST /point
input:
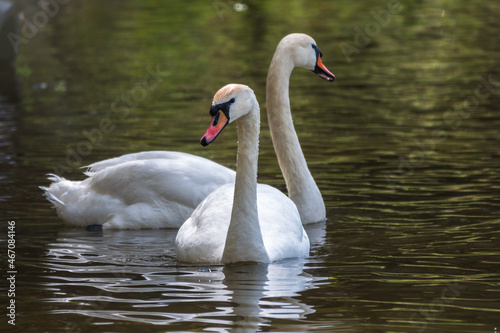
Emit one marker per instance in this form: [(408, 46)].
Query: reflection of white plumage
[(242, 221), (161, 189), (126, 265)]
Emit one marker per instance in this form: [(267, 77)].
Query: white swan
[(154, 189), (241, 221), (158, 189), (293, 51)]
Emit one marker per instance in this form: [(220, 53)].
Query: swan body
[(160, 189), (204, 242), (243, 221), (152, 189)]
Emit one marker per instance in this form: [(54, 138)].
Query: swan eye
[(223, 107), (317, 50)]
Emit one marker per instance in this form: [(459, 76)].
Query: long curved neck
[(302, 188), (244, 238)]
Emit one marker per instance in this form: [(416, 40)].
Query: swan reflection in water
[(134, 276)]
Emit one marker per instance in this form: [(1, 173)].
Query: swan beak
[(217, 124), (322, 71)]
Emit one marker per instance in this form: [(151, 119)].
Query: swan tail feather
[(51, 197), (50, 193), (74, 207), (55, 178)]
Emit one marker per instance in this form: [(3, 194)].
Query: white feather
[(243, 221), (144, 190)]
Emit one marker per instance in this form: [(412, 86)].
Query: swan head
[(230, 103), (305, 53)]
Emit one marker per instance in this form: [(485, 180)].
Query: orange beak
[(217, 124), (322, 71)]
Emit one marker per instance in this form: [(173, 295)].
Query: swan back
[(143, 190)]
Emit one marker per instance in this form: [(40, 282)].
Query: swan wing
[(143, 155), (202, 237), (281, 226), (138, 193)]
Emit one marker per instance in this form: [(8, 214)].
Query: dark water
[(404, 146)]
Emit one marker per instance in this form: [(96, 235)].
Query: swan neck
[(302, 188), (244, 238)]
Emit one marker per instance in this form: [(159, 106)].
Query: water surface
[(404, 146)]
